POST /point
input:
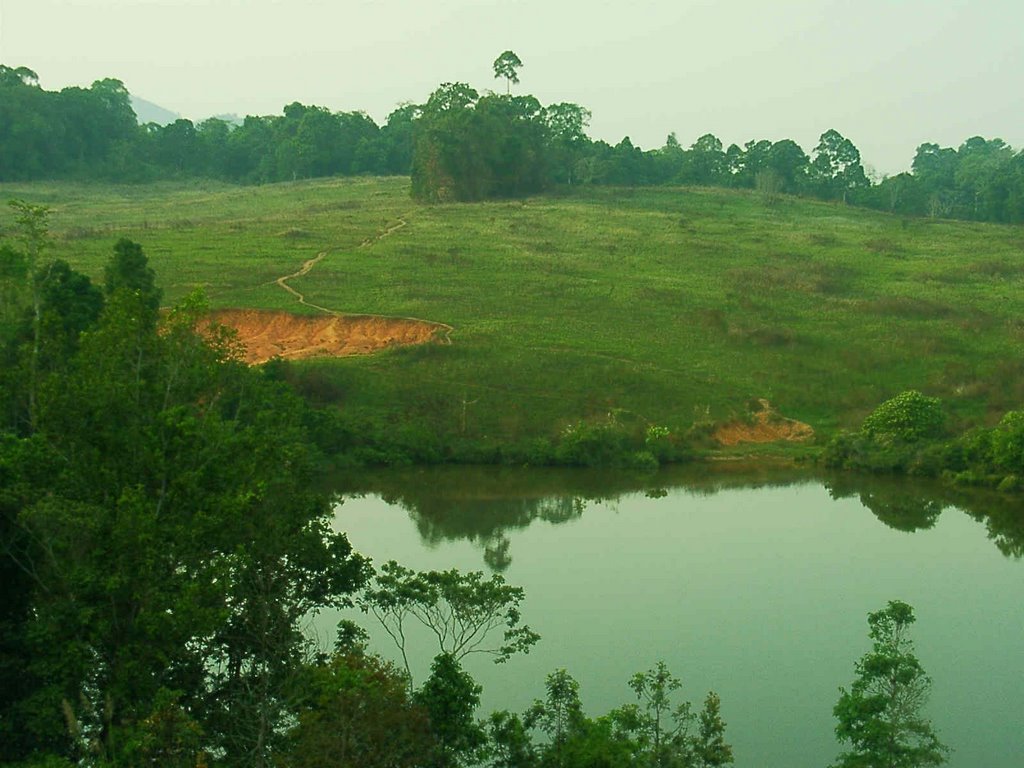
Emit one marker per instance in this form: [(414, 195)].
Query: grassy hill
[(663, 306)]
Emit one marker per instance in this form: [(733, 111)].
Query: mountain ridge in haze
[(148, 112)]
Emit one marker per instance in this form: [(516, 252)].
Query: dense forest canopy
[(461, 145)]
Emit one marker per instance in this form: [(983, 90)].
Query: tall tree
[(559, 714), (128, 269), (171, 560), (33, 225), (463, 611), (664, 728), (880, 715), (450, 697), (507, 66), (356, 712), (704, 163), (566, 125), (836, 170), (710, 747)]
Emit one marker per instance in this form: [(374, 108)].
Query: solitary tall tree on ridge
[(506, 66)]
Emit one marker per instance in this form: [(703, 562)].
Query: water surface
[(754, 585)]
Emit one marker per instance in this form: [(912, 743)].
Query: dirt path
[(307, 266), (266, 334), (304, 270)]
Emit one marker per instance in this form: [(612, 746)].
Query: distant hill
[(148, 112), (231, 118)]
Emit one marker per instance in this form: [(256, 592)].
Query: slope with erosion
[(637, 308), (269, 334)]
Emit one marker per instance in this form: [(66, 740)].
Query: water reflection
[(484, 505), (900, 506)]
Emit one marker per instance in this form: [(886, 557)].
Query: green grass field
[(660, 305)]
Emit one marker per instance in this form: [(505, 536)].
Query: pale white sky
[(889, 75)]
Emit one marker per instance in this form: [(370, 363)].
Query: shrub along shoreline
[(905, 435)]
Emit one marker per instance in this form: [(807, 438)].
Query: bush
[(1007, 444), (604, 444), (908, 417)]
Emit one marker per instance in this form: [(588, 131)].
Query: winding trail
[(307, 267), (268, 334), (444, 336), (304, 270)]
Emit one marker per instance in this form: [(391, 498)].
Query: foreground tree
[(450, 698), (880, 716), (710, 749), (559, 715), (462, 610), (357, 713), (159, 521)]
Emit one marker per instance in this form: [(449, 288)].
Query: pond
[(753, 583)]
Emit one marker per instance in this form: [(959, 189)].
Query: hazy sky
[(888, 74)]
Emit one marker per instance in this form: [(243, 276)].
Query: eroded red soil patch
[(266, 334), (766, 426)]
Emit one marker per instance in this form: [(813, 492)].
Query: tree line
[(462, 145)]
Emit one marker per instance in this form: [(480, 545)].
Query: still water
[(756, 586)]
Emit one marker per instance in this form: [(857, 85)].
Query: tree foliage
[(450, 697), (507, 65), (880, 716), (355, 711), (907, 417), (158, 518), (463, 611), (461, 146)]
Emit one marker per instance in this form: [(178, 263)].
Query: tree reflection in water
[(484, 505)]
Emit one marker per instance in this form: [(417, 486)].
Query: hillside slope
[(652, 307)]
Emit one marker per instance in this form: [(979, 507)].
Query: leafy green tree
[(512, 134), (664, 728), (566, 125), (448, 162), (32, 231), (836, 170), (507, 65), (880, 716), (450, 697), (356, 712), (935, 168), (213, 139), (704, 162), (710, 749), (598, 743), (789, 163), (748, 163), (510, 742), (397, 139), (559, 716), (462, 611), (70, 305), (981, 180), (469, 147), (129, 270), (170, 560), (13, 288), (17, 76)]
